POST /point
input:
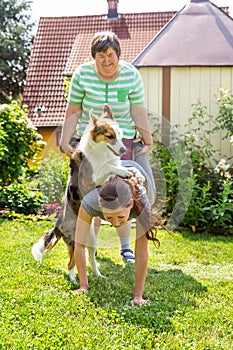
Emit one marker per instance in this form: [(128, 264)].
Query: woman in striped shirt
[(107, 79)]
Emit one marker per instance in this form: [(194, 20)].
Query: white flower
[(222, 166)]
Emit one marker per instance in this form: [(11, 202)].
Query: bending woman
[(117, 201)]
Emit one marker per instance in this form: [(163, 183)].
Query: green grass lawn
[(189, 286)]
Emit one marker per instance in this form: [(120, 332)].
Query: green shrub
[(19, 142), (16, 197), (41, 185), (225, 114), (211, 202), (53, 176)]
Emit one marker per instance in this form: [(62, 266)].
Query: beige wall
[(51, 137), (152, 78), (188, 84)]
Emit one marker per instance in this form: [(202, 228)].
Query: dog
[(103, 146), (95, 158)]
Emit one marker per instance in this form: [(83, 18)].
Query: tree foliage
[(19, 142), (15, 46)]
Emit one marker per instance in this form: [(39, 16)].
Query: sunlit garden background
[(189, 284)]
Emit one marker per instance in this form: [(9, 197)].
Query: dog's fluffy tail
[(38, 249), (45, 243)]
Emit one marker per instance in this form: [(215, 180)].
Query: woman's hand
[(82, 290), (146, 149), (139, 114), (139, 301), (67, 149), (73, 113)]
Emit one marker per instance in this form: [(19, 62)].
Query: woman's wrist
[(148, 142), (146, 149), (67, 149)]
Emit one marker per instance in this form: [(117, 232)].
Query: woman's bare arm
[(142, 124), (73, 113), (141, 263)]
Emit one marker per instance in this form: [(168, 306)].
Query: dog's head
[(107, 130)]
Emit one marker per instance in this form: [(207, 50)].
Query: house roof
[(62, 43), (200, 34)]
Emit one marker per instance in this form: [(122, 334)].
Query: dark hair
[(118, 192), (115, 193), (102, 41)]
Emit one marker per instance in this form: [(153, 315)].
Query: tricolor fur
[(102, 146)]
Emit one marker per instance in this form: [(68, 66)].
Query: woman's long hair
[(118, 193)]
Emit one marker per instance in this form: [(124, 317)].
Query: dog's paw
[(97, 272), (72, 276), (123, 172), (99, 275), (137, 174)]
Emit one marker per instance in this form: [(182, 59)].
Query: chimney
[(112, 9)]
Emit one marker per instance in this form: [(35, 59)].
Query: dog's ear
[(93, 118), (108, 112)]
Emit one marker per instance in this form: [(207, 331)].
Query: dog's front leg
[(113, 170), (121, 171)]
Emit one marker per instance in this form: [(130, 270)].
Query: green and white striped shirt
[(89, 90)]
